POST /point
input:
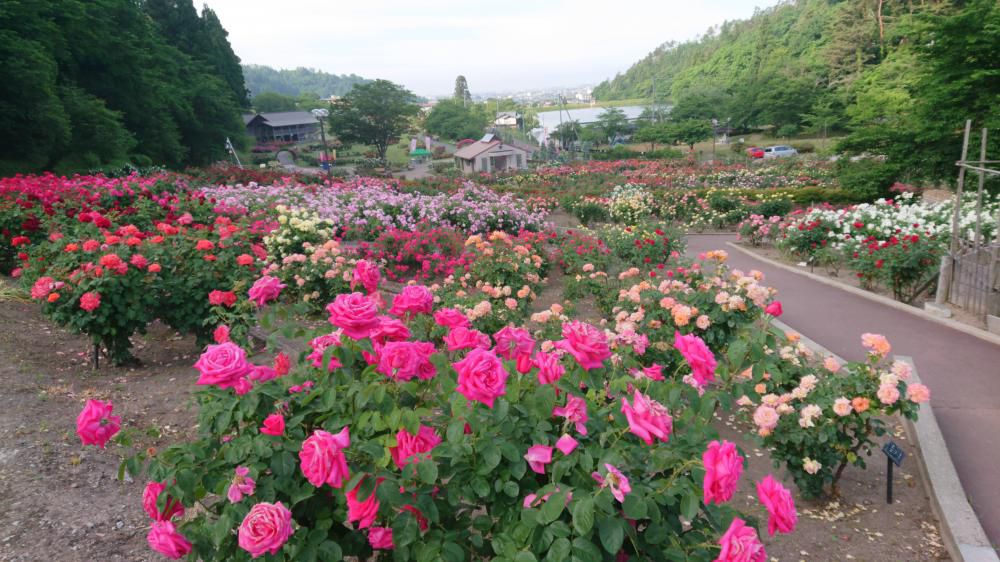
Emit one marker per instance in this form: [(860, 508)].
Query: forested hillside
[(299, 81), (900, 76), (101, 82)]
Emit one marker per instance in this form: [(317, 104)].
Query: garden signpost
[(894, 456)]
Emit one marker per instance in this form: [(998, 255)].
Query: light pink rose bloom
[(566, 444), (355, 313), (842, 407), (538, 456), (265, 529), (367, 275), (811, 466), (273, 425), (410, 448), (918, 393), (647, 418), (164, 538), (587, 344), (876, 344), (171, 507), (451, 318), (780, 505), (698, 356), (723, 467), (741, 544), (831, 364), (575, 411), (774, 309), (550, 368), (412, 300), (888, 394), (95, 425), (323, 460), (615, 480), (242, 485), (222, 365), (380, 538), (364, 512), (513, 342), (765, 417), (265, 289), (461, 337), (390, 329), (403, 360), (481, 376)]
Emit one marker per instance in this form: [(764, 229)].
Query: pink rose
[(390, 329), (364, 512), (222, 298), (774, 309), (367, 275), (780, 505), (262, 373), (319, 346), (698, 356), (740, 544), (587, 344), (151, 495), (538, 456), (647, 418), (615, 480), (550, 369), (95, 425), (323, 460), (410, 448), (481, 376), (164, 538), (723, 467), (380, 538), (242, 485), (89, 301), (274, 425), (766, 417), (653, 372), (461, 337), (221, 334), (403, 360), (411, 301), (513, 342), (355, 313), (451, 318), (265, 529), (575, 411), (918, 393), (282, 364), (566, 444), (222, 365), (888, 394), (265, 289)]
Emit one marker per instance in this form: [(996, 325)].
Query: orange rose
[(860, 404)]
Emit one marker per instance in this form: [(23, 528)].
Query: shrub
[(630, 203), (868, 178), (646, 244), (773, 207), (589, 209)]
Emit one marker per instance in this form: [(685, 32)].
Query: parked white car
[(779, 151)]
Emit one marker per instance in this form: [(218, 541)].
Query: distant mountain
[(260, 78)]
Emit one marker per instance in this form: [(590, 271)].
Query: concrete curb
[(961, 530), (955, 325)]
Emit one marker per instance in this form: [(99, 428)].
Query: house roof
[(475, 149), (248, 117), (283, 118)]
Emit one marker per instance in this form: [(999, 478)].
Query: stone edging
[(953, 324), (961, 530)]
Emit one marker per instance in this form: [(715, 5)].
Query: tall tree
[(612, 122), (451, 119), (373, 114), (461, 88)]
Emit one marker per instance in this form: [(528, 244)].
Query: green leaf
[(525, 557), (559, 551), (583, 515), (427, 471), (612, 534), (634, 507), (411, 422), (456, 432), (689, 505), (452, 552), (283, 465), (552, 507), (511, 488)]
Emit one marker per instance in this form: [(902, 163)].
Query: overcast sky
[(498, 46)]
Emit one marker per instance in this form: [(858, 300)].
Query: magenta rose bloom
[(273, 425), (367, 275), (403, 360), (780, 506), (481, 376), (451, 318), (774, 309), (550, 369), (222, 365), (355, 313), (411, 448), (461, 337), (164, 538), (390, 329), (95, 425), (587, 344), (364, 512), (538, 456), (265, 529), (221, 334), (380, 538), (90, 301), (411, 301), (741, 544), (323, 460), (698, 356), (647, 418), (242, 485), (574, 411), (723, 467), (265, 289), (513, 342), (319, 346), (171, 507)]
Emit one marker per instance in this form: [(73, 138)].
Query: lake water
[(549, 120)]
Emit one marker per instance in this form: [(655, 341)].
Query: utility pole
[(320, 115)]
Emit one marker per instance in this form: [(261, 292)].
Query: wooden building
[(490, 154), (288, 126)]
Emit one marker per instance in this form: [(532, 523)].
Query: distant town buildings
[(508, 119)]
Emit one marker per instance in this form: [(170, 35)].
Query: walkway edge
[(953, 324), (961, 530)]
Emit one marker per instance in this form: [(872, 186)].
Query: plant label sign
[(895, 454)]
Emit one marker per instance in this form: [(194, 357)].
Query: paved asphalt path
[(962, 371)]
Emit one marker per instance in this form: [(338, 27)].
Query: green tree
[(267, 102), (451, 119), (373, 114), (567, 133), (461, 88), (612, 122), (689, 131), (655, 133)]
